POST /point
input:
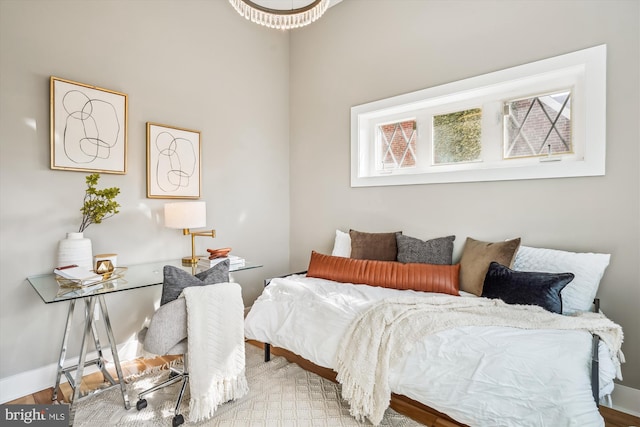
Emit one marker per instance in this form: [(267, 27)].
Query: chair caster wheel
[(177, 420), (141, 404)]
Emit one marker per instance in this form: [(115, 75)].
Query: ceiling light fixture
[(297, 13)]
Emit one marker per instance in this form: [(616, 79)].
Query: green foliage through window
[(456, 136)]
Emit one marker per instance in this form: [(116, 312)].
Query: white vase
[(75, 249)]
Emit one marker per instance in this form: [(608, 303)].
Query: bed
[(478, 373)]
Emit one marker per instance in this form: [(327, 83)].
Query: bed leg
[(595, 377), (267, 352)]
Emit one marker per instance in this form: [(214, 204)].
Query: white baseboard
[(626, 399), (32, 381)]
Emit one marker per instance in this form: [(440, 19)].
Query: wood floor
[(93, 381)]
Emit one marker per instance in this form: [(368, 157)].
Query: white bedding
[(481, 376)]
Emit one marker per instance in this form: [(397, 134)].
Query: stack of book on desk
[(235, 262), (81, 275), (77, 281)]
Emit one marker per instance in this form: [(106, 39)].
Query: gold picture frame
[(173, 162), (88, 127)]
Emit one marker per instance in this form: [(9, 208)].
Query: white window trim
[(588, 69)]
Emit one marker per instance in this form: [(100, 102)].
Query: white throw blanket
[(215, 326), (389, 329)]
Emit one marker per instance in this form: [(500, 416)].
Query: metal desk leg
[(94, 329), (88, 325), (63, 349), (100, 361), (114, 351)]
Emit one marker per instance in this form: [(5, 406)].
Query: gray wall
[(189, 63), (371, 49)]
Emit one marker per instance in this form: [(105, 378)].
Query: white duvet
[(480, 376)]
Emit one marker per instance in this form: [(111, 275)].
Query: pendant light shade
[(297, 13)]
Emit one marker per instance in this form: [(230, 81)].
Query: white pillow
[(588, 269), (342, 245)]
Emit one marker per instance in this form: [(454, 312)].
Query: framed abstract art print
[(173, 162), (88, 128)]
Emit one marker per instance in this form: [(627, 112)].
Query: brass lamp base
[(189, 261), (193, 259)]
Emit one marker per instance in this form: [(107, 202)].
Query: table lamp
[(188, 215)]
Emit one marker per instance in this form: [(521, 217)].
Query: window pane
[(538, 126), (397, 145), (456, 136)]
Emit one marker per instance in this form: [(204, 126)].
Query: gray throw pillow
[(176, 279), (434, 251)]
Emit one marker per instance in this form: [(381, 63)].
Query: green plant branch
[(98, 205)]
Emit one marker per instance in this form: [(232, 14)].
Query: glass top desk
[(52, 288), (124, 279)]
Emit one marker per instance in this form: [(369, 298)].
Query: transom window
[(540, 120)]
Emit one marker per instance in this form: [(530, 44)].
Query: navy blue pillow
[(524, 287)]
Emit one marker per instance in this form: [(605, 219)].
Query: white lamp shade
[(185, 215)]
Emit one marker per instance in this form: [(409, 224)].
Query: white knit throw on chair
[(215, 326)]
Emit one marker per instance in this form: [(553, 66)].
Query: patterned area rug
[(281, 394)]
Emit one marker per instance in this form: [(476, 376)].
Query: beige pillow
[(376, 246), (476, 257)]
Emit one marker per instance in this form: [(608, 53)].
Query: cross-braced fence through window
[(539, 125), (397, 146)]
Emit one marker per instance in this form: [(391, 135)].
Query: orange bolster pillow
[(387, 274)]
